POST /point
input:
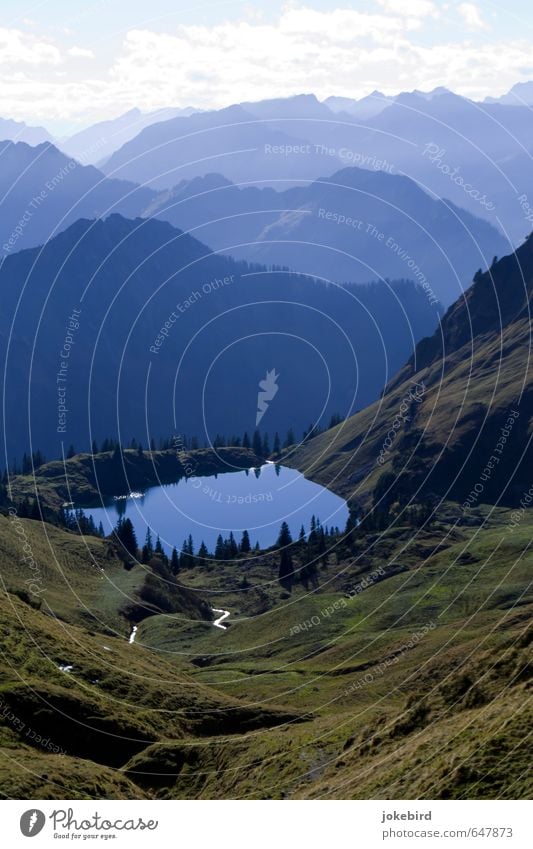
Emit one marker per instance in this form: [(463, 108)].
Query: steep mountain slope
[(133, 327), (357, 225), (457, 419), (42, 192), (233, 141), (416, 687), (403, 673), (78, 701)]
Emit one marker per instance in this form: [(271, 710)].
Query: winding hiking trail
[(218, 622)]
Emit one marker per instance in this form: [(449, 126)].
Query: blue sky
[(66, 64)]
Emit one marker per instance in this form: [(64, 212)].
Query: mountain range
[(99, 141), (453, 147), (403, 674), (161, 335), (43, 191), (357, 225)]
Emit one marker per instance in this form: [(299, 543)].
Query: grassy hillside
[(459, 414), (402, 670), (419, 667)]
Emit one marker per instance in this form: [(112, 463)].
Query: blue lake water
[(257, 500)]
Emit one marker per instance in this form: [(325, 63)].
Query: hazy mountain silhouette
[(333, 348), (391, 228), (98, 141), (19, 131), (42, 191), (453, 146), (232, 141), (519, 95)]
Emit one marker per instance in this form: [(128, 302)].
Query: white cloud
[(341, 52), (18, 47), (472, 16), (80, 53), (410, 8)]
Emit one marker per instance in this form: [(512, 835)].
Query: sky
[(65, 65)]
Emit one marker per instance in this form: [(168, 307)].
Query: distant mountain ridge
[(454, 147), (167, 335), (42, 192), (356, 226), (97, 142), (18, 131), (359, 225)]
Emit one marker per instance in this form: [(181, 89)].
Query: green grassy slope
[(420, 666), (405, 673), (440, 419)]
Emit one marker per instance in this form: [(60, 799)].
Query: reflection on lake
[(257, 500)]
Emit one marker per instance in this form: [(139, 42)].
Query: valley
[(266, 478)]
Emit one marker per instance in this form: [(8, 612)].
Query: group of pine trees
[(299, 560), (263, 445)]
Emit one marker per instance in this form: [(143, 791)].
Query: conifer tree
[(257, 444), (125, 534), (290, 438), (232, 547), (220, 551), (245, 546), (284, 542), (148, 548)]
